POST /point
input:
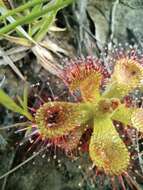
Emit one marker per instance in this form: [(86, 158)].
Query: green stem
[(28, 115), (34, 15), (22, 8), (114, 90), (45, 26)]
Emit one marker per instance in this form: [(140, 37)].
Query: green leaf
[(70, 116), (47, 21), (123, 114), (29, 18), (20, 100), (113, 90), (9, 103), (20, 8), (19, 29), (18, 40), (106, 148)]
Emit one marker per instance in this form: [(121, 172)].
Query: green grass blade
[(9, 103), (48, 20), (21, 8), (29, 18), (19, 29)]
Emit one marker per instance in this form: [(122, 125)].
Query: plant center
[(107, 106)]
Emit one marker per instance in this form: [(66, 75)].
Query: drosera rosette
[(106, 149), (100, 107)]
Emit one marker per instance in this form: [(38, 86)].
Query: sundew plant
[(104, 106)]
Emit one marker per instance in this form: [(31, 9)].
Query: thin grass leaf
[(22, 124), (37, 7), (18, 40), (48, 44), (23, 163), (2, 81), (34, 9), (47, 60), (35, 27), (20, 8), (19, 29), (8, 60), (29, 18), (9, 103), (20, 101), (48, 20)]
